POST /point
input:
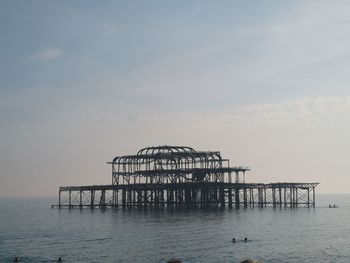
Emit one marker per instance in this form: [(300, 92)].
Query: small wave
[(97, 239)]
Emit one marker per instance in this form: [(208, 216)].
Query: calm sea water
[(32, 231)]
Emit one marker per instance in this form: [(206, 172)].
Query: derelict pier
[(179, 176)]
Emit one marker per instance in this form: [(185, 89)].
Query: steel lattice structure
[(173, 164), (177, 176)]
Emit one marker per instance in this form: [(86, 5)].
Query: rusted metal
[(179, 176)]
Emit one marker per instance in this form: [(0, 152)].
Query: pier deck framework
[(179, 176)]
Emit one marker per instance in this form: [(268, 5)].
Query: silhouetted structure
[(177, 176)]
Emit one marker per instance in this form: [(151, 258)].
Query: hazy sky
[(264, 82)]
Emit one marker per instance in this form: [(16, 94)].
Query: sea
[(34, 232)]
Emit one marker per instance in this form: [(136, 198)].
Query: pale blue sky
[(85, 80)]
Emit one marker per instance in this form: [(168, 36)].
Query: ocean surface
[(33, 232)]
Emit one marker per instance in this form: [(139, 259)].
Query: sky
[(264, 82)]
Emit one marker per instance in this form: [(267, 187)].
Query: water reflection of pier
[(172, 176)]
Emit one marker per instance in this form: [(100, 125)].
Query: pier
[(179, 176)]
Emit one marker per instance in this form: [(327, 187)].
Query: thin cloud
[(47, 54), (326, 107), (307, 110)]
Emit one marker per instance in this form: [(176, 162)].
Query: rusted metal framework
[(177, 176), (173, 164)]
